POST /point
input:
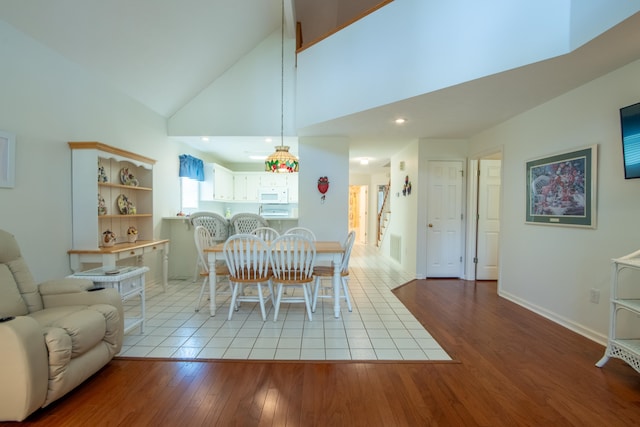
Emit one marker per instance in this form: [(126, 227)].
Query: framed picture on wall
[(7, 159), (561, 188)]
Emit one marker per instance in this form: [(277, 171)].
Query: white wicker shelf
[(129, 281), (628, 348)]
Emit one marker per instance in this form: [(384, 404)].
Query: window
[(188, 194)]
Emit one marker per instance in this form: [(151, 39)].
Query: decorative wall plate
[(125, 206), (127, 178)]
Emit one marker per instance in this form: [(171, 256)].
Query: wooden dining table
[(325, 251)]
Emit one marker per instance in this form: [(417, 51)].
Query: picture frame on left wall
[(7, 159)]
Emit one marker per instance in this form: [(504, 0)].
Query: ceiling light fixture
[(281, 161), (401, 121), (364, 161)]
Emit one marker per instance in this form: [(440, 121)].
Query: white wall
[(420, 46), (325, 157), (48, 101), (426, 46), (404, 208), (247, 99), (552, 269)]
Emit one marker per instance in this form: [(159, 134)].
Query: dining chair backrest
[(244, 223), (247, 257), (348, 246), (203, 239), (302, 231), (216, 224), (267, 234), (292, 258)]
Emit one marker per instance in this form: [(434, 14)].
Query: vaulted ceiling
[(163, 53)]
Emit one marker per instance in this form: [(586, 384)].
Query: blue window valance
[(191, 167)]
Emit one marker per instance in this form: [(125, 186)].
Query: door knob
[(430, 225)]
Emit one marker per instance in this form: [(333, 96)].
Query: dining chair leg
[(316, 290), (271, 293), (232, 304), (202, 288), (276, 308), (261, 298), (345, 289), (306, 291)]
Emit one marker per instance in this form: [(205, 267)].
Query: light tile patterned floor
[(378, 328)]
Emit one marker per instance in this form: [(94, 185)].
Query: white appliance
[(273, 195), (274, 211)]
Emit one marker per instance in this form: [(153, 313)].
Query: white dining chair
[(292, 261), (247, 259), (203, 240), (324, 277), (244, 223), (302, 231), (216, 225), (267, 234)]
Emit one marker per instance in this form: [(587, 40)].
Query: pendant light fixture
[(281, 161)]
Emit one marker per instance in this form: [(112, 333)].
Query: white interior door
[(444, 219), (488, 220)]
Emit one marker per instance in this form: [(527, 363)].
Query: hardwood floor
[(511, 368)]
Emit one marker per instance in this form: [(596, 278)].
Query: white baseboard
[(554, 317)]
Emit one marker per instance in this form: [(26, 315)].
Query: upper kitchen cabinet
[(217, 184), (271, 180), (246, 186)]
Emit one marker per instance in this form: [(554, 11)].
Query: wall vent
[(395, 247)]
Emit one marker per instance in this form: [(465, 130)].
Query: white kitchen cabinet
[(217, 184), (245, 186), (292, 185), (271, 180)]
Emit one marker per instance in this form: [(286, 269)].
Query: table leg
[(165, 266), (336, 289)]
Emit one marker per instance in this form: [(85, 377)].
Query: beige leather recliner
[(53, 335)]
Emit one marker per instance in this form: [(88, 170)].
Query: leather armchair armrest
[(82, 297), (24, 371), (64, 286)]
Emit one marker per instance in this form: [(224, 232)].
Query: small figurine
[(132, 234), (102, 206), (102, 175), (108, 238)]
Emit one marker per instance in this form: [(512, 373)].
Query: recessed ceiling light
[(268, 140), (401, 121), (364, 162), (205, 138)]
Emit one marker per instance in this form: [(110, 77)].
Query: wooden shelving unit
[(122, 183)]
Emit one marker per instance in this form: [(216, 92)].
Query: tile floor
[(378, 328)]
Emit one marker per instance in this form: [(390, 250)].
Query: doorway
[(358, 212), (488, 220), (483, 248)]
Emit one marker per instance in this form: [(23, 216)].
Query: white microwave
[(273, 195)]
